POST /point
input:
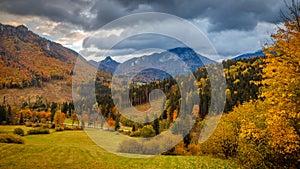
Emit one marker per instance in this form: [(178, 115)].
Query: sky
[(233, 27)]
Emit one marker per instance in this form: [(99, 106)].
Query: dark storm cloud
[(233, 26), (138, 42), (92, 14), (70, 11), (223, 14)]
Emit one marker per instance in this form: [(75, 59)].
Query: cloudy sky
[(232, 26)]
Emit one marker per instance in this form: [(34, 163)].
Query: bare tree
[(293, 14)]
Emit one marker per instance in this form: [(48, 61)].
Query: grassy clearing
[(152, 109), (74, 149), (10, 129), (16, 96)]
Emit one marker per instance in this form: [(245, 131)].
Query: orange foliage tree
[(110, 123), (59, 119), (282, 91)]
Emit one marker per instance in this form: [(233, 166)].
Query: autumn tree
[(282, 91), (110, 123), (266, 132), (74, 118), (59, 119), (25, 113)]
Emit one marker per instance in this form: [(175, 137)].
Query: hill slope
[(27, 60), (30, 61)]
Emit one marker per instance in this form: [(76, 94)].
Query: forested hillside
[(265, 133), (27, 59), (37, 66)]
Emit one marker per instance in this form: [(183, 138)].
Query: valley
[(170, 109)]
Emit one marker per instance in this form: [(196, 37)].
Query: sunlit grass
[(74, 149)]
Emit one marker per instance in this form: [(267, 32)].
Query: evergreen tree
[(21, 119), (117, 123), (133, 128), (156, 126), (2, 113), (53, 110), (65, 107), (9, 115)]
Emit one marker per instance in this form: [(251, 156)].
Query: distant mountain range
[(161, 65), (107, 65), (249, 55), (158, 65)]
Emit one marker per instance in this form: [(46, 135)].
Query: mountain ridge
[(108, 64), (34, 63), (258, 53), (158, 66)]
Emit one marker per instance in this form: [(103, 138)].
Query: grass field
[(16, 96), (74, 149)]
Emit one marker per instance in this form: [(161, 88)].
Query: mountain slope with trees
[(31, 62)]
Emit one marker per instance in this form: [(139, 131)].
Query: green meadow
[(74, 149)]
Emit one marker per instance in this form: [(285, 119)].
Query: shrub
[(68, 127), (77, 127), (43, 120), (59, 129), (28, 124), (224, 140), (35, 125), (11, 138), (72, 127), (135, 133), (19, 131), (194, 149), (45, 126), (179, 149), (52, 126), (38, 131), (147, 131)]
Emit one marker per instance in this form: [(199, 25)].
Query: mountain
[(36, 64), (107, 65), (158, 66), (250, 55)]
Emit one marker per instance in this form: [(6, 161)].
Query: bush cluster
[(72, 127), (11, 138), (35, 125), (19, 131), (38, 131), (243, 135), (155, 145), (59, 129), (28, 124), (45, 126)]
